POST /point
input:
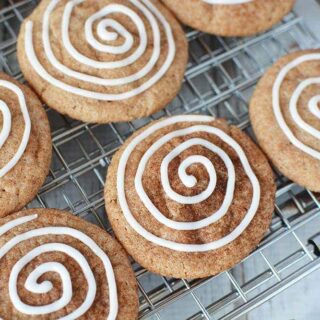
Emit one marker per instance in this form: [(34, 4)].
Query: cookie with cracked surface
[(189, 196), (54, 265), (25, 145), (285, 116), (230, 18), (103, 61)]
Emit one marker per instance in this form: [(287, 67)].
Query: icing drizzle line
[(151, 13), (312, 105), (6, 127), (188, 180), (32, 284)]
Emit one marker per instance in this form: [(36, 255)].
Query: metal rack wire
[(219, 80)]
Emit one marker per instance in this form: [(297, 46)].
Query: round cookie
[(103, 61), (189, 196), (25, 145), (284, 112), (230, 18), (54, 265)]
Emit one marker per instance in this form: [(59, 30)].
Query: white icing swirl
[(228, 2), (6, 126), (189, 181), (293, 104), (147, 9), (34, 286)]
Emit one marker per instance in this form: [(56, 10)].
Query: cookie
[(25, 145), (189, 196), (103, 61), (285, 116), (230, 18), (54, 265)]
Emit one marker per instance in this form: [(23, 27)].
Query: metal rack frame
[(219, 80)]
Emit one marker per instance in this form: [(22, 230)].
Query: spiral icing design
[(32, 283), (101, 29), (188, 181), (313, 104), (6, 124)]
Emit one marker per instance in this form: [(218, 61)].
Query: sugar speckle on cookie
[(25, 145)]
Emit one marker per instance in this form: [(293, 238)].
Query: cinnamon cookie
[(189, 196), (25, 145), (103, 61), (230, 18), (56, 266), (285, 116)]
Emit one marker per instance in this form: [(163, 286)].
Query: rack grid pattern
[(220, 77)]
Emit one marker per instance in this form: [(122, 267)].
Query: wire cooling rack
[(219, 81)]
